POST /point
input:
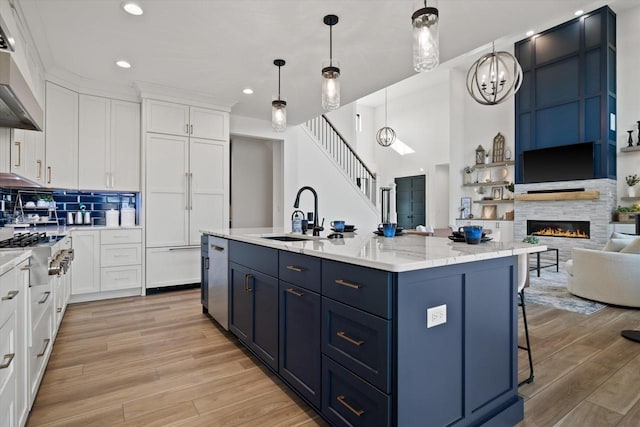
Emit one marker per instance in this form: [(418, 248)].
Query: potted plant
[(632, 180), (510, 187), (627, 213), (468, 170)]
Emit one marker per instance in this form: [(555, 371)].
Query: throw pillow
[(632, 248), (616, 245)]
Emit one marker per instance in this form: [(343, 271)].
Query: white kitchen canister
[(112, 218), (127, 217)]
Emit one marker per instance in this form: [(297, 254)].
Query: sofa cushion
[(616, 235), (632, 248), (616, 245), (569, 267)]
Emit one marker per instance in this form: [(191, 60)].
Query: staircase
[(345, 158)]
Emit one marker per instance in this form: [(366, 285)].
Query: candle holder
[(630, 140)]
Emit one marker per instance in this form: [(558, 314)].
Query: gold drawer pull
[(10, 295), (44, 349), (25, 268), (291, 291), (342, 335), (46, 297), (247, 278), (347, 284), (294, 268), (9, 356), (59, 309), (358, 412)]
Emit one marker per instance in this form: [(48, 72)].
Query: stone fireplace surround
[(597, 211)]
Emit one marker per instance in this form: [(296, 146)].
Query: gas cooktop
[(29, 240)]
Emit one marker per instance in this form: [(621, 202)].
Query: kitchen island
[(403, 331)]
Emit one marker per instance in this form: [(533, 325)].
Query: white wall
[(306, 164), (252, 182), (628, 94), (365, 138), (344, 120)]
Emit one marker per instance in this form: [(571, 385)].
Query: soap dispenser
[(296, 221)]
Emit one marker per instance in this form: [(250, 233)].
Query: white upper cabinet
[(209, 124), (179, 119), (167, 117), (94, 143), (27, 154), (61, 137), (109, 153), (125, 146)]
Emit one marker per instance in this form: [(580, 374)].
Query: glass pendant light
[(279, 106), (385, 136), (331, 73), (426, 50)]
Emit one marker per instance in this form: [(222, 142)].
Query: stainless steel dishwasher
[(218, 298)]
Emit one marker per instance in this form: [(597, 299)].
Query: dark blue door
[(410, 201), (300, 340), (240, 310), (264, 340)]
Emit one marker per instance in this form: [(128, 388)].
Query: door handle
[(206, 263), (186, 193), (9, 356), (217, 248), (190, 191), (10, 295), (343, 402), (292, 292), (49, 171), (39, 163), (44, 349), (46, 297), (186, 128), (248, 277), (19, 145), (191, 129)]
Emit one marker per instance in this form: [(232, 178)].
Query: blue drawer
[(256, 257), (349, 401), (359, 341), (361, 287), (301, 270)]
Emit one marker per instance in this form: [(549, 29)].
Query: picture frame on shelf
[(465, 207), (489, 212), (498, 148), (496, 193)]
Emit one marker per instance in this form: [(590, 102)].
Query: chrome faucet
[(317, 228)]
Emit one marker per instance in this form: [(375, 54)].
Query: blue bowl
[(473, 234)]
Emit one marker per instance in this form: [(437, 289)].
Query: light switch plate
[(436, 316)]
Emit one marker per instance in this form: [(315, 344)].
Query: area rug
[(550, 289)]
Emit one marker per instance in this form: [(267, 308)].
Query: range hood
[(18, 106), (12, 180)]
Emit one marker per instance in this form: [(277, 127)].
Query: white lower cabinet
[(106, 261), (23, 402), (173, 266)]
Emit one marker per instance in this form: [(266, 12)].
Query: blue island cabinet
[(354, 342), (253, 298)]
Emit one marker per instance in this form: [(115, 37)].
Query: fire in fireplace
[(572, 229)]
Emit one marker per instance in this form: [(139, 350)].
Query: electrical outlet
[(436, 316)]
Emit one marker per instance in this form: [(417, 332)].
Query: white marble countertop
[(56, 230), (397, 254), (9, 259)]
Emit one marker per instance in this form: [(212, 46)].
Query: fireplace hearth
[(552, 228)]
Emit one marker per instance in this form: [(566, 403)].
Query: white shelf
[(496, 164), (630, 149)]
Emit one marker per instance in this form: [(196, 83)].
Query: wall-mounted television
[(563, 163)]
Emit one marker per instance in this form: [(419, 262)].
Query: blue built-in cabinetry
[(568, 94), (354, 342)]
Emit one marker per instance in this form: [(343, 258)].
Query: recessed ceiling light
[(247, 91), (530, 33), (578, 12), (123, 64), (132, 8)]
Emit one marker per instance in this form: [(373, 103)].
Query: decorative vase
[(632, 191)]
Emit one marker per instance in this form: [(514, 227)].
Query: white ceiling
[(218, 47)]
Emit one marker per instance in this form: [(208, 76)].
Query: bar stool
[(523, 269)]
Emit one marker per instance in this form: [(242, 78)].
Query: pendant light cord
[(385, 104), (279, 82), (331, 45)]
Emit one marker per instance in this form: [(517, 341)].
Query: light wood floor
[(157, 360)]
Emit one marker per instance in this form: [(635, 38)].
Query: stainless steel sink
[(286, 238)]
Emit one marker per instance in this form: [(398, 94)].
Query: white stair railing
[(344, 156)]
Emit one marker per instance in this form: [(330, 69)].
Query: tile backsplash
[(98, 203)]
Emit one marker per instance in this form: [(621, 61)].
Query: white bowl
[(30, 205)]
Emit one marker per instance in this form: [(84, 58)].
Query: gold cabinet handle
[(292, 292), (25, 268), (19, 145), (294, 268), (347, 284), (46, 297), (39, 163), (342, 335), (59, 309), (344, 403), (9, 356), (44, 349), (49, 172), (247, 278), (186, 128), (10, 295)]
